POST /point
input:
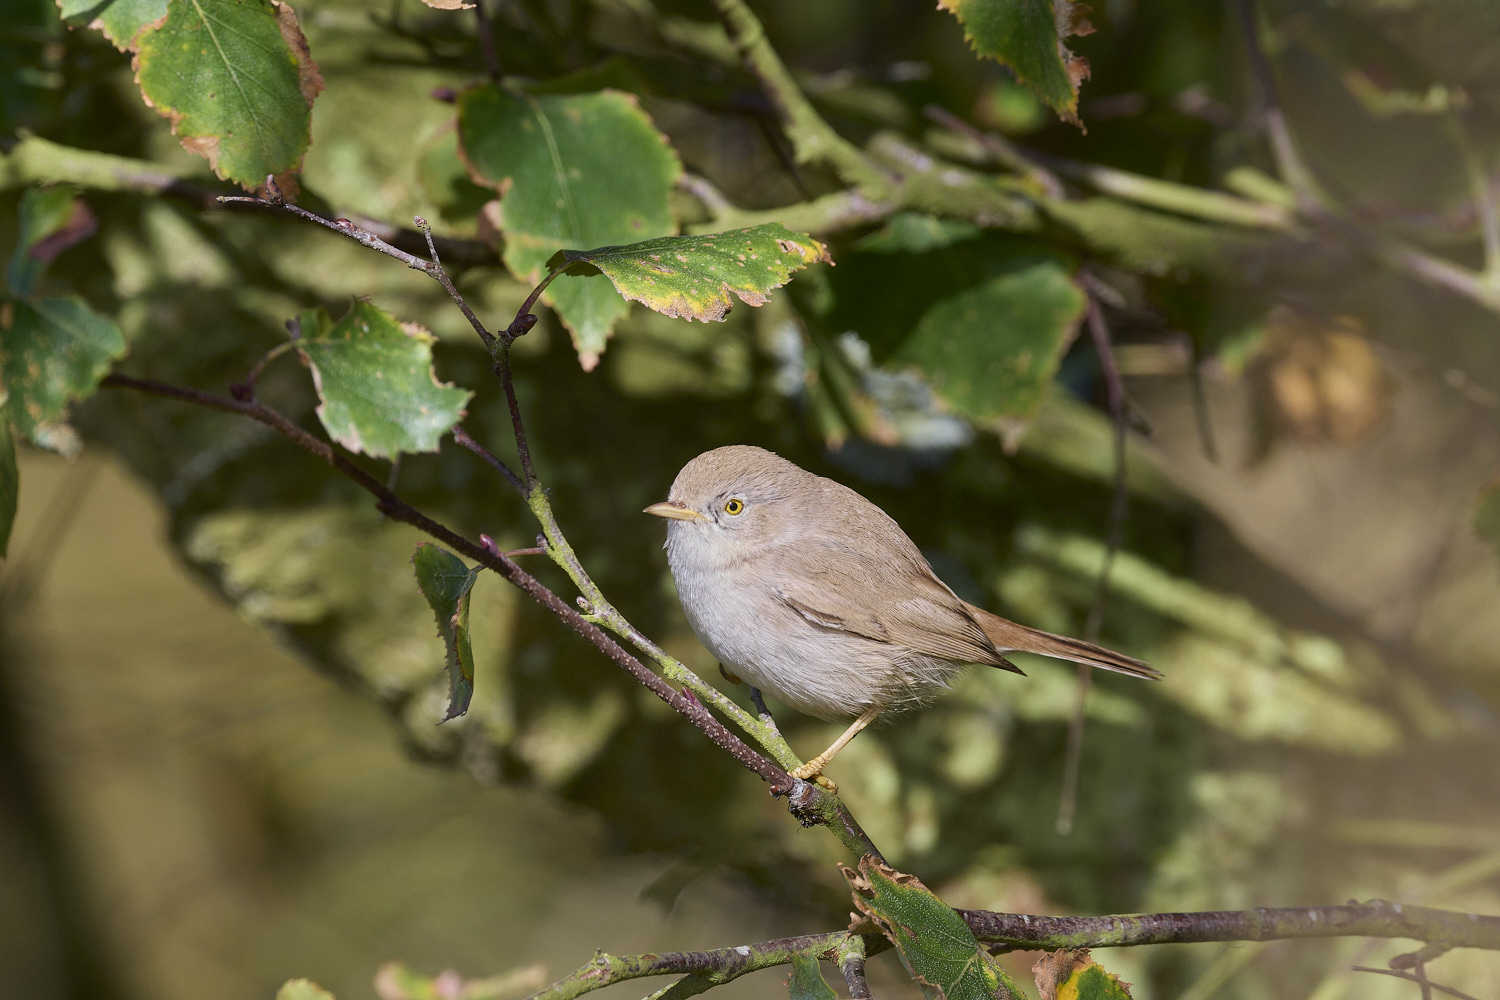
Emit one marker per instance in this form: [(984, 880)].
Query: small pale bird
[(812, 594)]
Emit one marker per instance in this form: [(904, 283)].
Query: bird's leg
[(814, 767), (759, 701)]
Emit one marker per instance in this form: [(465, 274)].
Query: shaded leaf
[(698, 277), (237, 82), (580, 170), (10, 480), (913, 232), (1072, 975), (806, 981), (374, 377), (935, 944), (991, 351), (51, 220), (1028, 36), (119, 20), (302, 989), (446, 582), (52, 352)]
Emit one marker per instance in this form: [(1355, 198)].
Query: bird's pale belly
[(822, 672)]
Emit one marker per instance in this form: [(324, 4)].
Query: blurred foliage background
[(186, 809)]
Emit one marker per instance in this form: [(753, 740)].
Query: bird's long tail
[(1009, 637)]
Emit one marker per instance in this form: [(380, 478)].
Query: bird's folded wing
[(897, 600)]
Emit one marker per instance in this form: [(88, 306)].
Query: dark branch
[(1377, 919), (807, 802), (462, 437)]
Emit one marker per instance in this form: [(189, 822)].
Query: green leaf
[(913, 232), (698, 277), (10, 480), (302, 989), (374, 376), (119, 20), (935, 944), (236, 80), (991, 351), (446, 582), (1072, 975), (806, 981), (54, 351), (1028, 36), (51, 220), (580, 170)]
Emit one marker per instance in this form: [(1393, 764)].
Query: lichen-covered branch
[(703, 969), (1376, 918)]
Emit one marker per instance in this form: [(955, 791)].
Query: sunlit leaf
[(302, 989), (54, 351), (991, 351), (806, 981), (10, 479), (579, 170), (698, 277), (1028, 36), (374, 376), (237, 82), (1073, 975), (51, 220), (119, 20), (936, 946), (446, 583)]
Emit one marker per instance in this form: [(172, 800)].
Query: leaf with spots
[(573, 170), (698, 277), (935, 945), (446, 583), (52, 352), (1028, 36), (991, 351), (118, 20), (374, 377), (237, 82)]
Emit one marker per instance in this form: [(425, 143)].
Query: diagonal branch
[(812, 137), (810, 804)]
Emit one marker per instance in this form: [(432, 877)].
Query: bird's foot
[(813, 771)]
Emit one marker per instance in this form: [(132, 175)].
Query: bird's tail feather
[(1008, 637)]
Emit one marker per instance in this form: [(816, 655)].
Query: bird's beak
[(674, 510)]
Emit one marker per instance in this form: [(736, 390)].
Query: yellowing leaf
[(698, 277), (237, 81), (1072, 975), (579, 170), (1027, 36)]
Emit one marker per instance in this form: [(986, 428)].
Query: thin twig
[(487, 41), (1426, 984), (810, 804), (1002, 150), (1119, 509), (851, 958), (1289, 163), (462, 437)]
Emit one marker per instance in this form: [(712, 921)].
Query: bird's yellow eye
[(734, 506)]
